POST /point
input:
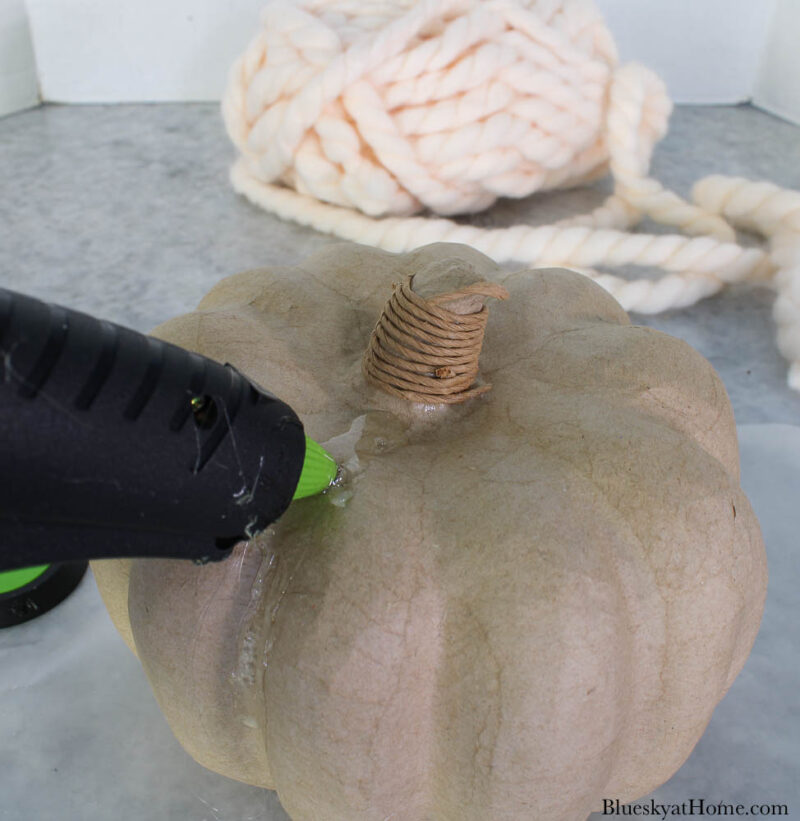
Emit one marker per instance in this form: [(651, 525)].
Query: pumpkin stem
[(427, 349)]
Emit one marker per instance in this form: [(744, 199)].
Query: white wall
[(707, 51), (18, 85), (109, 50), (132, 50), (778, 82)]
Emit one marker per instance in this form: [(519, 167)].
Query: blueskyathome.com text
[(692, 806)]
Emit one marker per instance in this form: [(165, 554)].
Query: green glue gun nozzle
[(155, 433), (319, 471)]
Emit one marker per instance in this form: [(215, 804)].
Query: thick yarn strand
[(351, 117)]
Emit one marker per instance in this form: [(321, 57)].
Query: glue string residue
[(351, 116)]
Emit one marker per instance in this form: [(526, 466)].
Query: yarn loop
[(352, 116)]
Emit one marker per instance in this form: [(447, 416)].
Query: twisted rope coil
[(353, 115), (425, 350)]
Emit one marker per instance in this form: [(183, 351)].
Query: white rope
[(353, 115)]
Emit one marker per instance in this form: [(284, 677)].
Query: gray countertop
[(126, 212)]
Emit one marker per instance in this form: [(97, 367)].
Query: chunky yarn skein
[(352, 116)]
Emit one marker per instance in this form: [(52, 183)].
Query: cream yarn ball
[(353, 115)]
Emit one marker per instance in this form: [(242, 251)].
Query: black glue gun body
[(116, 444)]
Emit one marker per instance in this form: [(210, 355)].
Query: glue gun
[(114, 444)]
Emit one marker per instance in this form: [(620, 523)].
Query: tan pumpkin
[(514, 607)]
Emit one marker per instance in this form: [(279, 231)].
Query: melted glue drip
[(372, 434), (247, 666), (339, 496), (343, 450), (246, 671)]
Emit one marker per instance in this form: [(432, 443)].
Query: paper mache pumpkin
[(518, 601)]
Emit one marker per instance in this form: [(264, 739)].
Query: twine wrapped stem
[(426, 350)]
